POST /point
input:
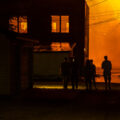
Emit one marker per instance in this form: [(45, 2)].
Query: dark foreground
[(54, 104)]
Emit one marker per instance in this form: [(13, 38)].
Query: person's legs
[(67, 79), (86, 82), (76, 81), (72, 81), (105, 78), (65, 82), (90, 85), (109, 81), (94, 82)]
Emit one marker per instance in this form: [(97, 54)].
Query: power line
[(101, 22), (106, 14), (89, 0), (107, 11), (98, 3), (101, 17)]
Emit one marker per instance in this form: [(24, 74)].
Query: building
[(53, 23)]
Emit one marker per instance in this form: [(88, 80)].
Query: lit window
[(13, 23), (60, 24), (55, 23), (65, 24), (23, 24), (18, 24)]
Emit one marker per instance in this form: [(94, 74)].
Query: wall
[(48, 64), (4, 66), (25, 68)]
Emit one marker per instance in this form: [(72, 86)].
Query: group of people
[(90, 74), (69, 70)]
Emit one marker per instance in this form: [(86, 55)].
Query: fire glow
[(104, 35)]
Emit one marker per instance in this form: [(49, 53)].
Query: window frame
[(60, 15), (18, 24)]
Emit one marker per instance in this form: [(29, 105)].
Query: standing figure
[(88, 76), (93, 73), (74, 73), (107, 66), (65, 70)]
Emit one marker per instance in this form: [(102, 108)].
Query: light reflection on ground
[(56, 87), (99, 80), (100, 86)]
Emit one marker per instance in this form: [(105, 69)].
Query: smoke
[(105, 37)]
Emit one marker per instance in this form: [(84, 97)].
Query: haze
[(104, 31)]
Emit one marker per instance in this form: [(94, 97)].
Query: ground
[(59, 104)]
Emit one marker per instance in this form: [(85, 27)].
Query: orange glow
[(54, 26), (56, 87), (55, 23), (67, 27), (18, 24), (57, 46), (106, 43), (115, 4), (13, 23), (23, 24), (105, 36), (65, 24), (60, 22)]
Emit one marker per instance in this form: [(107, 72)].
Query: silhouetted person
[(107, 66), (74, 73), (65, 70), (93, 73), (88, 76)]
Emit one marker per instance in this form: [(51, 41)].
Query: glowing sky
[(104, 31)]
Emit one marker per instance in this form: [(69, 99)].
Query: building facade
[(52, 23)]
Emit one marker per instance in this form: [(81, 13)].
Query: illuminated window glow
[(54, 26), (55, 23), (57, 46), (60, 24), (23, 24), (65, 24), (13, 23), (18, 24)]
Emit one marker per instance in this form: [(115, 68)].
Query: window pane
[(55, 24), (23, 25), (13, 24), (65, 24)]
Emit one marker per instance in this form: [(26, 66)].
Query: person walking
[(107, 67)]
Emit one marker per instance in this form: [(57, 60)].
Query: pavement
[(60, 104)]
